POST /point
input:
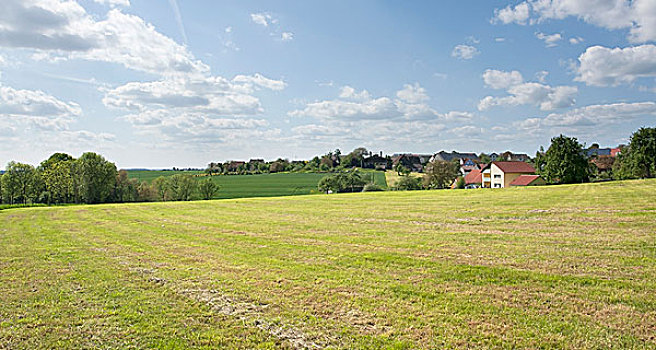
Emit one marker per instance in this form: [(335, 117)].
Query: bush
[(408, 183), (372, 188)]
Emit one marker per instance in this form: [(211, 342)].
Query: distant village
[(494, 170)]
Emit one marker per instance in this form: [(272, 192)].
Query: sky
[(182, 83)]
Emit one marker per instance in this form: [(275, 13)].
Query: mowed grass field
[(261, 185), (543, 267)]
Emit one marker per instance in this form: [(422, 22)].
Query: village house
[(502, 174), (474, 179), (513, 157), (233, 166), (414, 162), (375, 161), (447, 157), (528, 180)]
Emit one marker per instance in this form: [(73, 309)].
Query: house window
[(497, 185), (497, 176)]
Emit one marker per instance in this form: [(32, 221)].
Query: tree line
[(333, 161), (565, 161), (92, 179)]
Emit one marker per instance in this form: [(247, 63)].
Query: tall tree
[(207, 188), (20, 183), (565, 161), (182, 187), (58, 180), (126, 189), (161, 186), (97, 178), (440, 174), (642, 153)]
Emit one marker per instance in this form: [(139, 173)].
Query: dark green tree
[(440, 174), (182, 187), (328, 184), (540, 161), (207, 188), (161, 187), (97, 178), (565, 161), (20, 183), (408, 183), (642, 153), (58, 180)]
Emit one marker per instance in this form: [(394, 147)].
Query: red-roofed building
[(473, 179), (615, 151), (528, 180), (502, 174)]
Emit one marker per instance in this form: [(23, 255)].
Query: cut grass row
[(551, 267)]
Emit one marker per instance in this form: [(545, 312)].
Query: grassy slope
[(263, 185), (391, 177), (566, 266)]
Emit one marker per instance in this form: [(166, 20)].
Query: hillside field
[(261, 185), (569, 266)]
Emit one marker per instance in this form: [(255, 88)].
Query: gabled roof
[(513, 167), (524, 180), (474, 177)]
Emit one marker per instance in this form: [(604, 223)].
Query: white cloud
[(29, 103), (602, 66), (576, 40), (551, 40), (639, 16), (497, 79), (467, 131), (541, 76), (349, 93), (353, 105), (113, 3), (592, 115), (464, 52), (518, 14), (531, 93), (257, 80), (62, 29), (287, 36), (194, 108), (214, 95), (409, 106), (499, 40), (263, 19), (412, 94)]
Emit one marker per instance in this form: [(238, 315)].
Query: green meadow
[(260, 185), (570, 266)]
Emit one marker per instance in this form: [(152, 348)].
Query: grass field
[(391, 177), (262, 185), (541, 267)]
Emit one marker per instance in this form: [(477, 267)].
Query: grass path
[(566, 267)]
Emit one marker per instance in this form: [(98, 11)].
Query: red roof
[(524, 180), (615, 151), (474, 177), (515, 167)]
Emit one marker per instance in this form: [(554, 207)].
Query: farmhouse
[(446, 156), (528, 180), (414, 162), (474, 179), (502, 174), (375, 162)]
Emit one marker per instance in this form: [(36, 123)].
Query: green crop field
[(542, 267), (262, 185)]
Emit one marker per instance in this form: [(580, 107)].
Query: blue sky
[(183, 83)]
